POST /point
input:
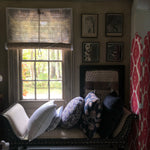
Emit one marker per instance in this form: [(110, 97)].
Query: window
[(41, 76), (39, 43)]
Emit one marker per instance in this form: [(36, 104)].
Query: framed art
[(90, 52), (114, 51), (89, 25), (114, 24)]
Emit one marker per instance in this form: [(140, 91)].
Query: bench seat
[(14, 121)]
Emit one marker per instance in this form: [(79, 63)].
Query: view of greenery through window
[(41, 74)]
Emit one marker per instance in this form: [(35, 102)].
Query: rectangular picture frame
[(90, 52), (89, 25), (114, 51), (114, 24)]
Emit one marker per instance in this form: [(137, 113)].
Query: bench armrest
[(18, 119)]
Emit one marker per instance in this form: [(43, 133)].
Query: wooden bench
[(66, 137)]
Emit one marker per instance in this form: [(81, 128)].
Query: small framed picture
[(114, 51), (114, 24), (90, 52), (89, 25)]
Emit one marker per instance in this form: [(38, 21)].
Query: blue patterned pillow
[(92, 115), (72, 112), (90, 101)]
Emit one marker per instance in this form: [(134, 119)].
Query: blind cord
[(39, 34)]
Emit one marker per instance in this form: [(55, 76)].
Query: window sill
[(31, 105), (39, 100)]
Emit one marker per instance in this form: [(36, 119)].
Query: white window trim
[(14, 83), (20, 77)]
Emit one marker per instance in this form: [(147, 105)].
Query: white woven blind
[(28, 28)]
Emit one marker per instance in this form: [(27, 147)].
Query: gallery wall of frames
[(114, 24)]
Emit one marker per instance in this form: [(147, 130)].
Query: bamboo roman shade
[(39, 28)]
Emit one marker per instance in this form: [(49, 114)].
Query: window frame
[(48, 80)]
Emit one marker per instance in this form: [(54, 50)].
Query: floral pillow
[(72, 112), (92, 115)]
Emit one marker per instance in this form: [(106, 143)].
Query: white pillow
[(56, 120), (40, 120)]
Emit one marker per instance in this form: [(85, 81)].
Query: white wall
[(143, 4), (140, 18)]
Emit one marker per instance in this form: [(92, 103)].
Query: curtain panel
[(13, 76), (140, 92)]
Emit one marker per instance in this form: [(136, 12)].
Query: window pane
[(56, 71), (55, 54), (56, 89), (42, 76), (42, 71), (28, 54), (28, 71), (42, 89), (28, 90), (41, 54)]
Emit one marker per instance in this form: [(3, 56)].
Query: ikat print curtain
[(140, 92)]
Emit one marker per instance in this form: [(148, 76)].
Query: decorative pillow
[(111, 102), (40, 120), (111, 115), (72, 112), (92, 115), (90, 101), (56, 120)]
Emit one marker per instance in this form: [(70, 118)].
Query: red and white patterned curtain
[(140, 92)]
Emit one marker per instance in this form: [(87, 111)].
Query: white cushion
[(18, 119), (40, 120), (56, 120)]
